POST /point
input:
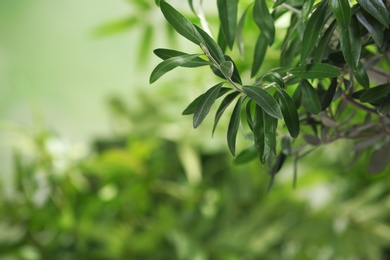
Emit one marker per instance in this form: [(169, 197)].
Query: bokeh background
[(95, 163)]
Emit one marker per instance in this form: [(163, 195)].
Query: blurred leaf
[(227, 69), (315, 71), (307, 7), (264, 100), (342, 12), (181, 24), (311, 139), (260, 51), (116, 26), (361, 76), (377, 9), (170, 64), (376, 93), (264, 130), (280, 159), (246, 155), (289, 111), (327, 99), (167, 53), (313, 29), (379, 159), (372, 25), (147, 39), (205, 103), (351, 44), (222, 107), (310, 97), (227, 10), (233, 127), (278, 3), (264, 20), (240, 27)]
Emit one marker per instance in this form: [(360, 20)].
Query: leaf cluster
[(327, 83)]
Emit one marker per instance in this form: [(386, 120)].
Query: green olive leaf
[(222, 107), (310, 97), (227, 10), (205, 103), (264, 100), (264, 20), (234, 124), (260, 51), (167, 53), (376, 93), (377, 9), (315, 71), (289, 111), (342, 12), (351, 43)]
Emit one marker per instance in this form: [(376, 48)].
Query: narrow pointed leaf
[(264, 20), (372, 25), (222, 107), (190, 109), (246, 155), (170, 64), (342, 12), (227, 10), (289, 111), (248, 114), (236, 75), (167, 53), (234, 123), (315, 71), (227, 69), (361, 76), (264, 131), (376, 93), (212, 47), (297, 96), (205, 103), (222, 40), (181, 24), (351, 44), (377, 9), (313, 29), (264, 100), (324, 43), (310, 97), (260, 51)]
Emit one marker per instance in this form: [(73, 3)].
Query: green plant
[(332, 81)]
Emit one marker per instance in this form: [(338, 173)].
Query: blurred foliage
[(156, 190)]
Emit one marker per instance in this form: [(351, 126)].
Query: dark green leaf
[(376, 93), (313, 29), (373, 26), (324, 43), (326, 99), (289, 111), (264, 20), (245, 156), (377, 9), (227, 69), (191, 107), (248, 114), (170, 64), (205, 103), (271, 76), (280, 159), (236, 75), (297, 96), (342, 12), (166, 54), (361, 75), (264, 130), (212, 47), (278, 3), (310, 97), (315, 71), (222, 107), (181, 24), (222, 40), (351, 44), (260, 51), (233, 127), (264, 100), (227, 10)]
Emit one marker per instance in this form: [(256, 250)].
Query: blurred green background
[(98, 164)]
